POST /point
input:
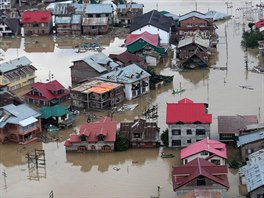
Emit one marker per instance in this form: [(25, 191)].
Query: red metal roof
[(105, 126), (153, 39), (214, 147), (259, 24), (199, 167), (46, 88), (186, 111), (36, 16)]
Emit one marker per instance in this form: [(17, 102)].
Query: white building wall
[(128, 91), (164, 36), (199, 155), (185, 138)]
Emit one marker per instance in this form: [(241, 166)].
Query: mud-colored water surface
[(134, 173)]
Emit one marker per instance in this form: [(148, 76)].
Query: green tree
[(121, 143), (250, 39), (165, 137)]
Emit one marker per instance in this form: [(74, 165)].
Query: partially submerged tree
[(121, 143), (250, 39), (165, 137)]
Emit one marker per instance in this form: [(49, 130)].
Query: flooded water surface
[(134, 173)]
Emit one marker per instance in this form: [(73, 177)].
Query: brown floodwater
[(139, 171)]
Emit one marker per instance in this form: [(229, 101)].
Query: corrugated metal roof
[(18, 113), (193, 14), (195, 39), (27, 121), (62, 20), (99, 9), (79, 8), (245, 139), (130, 5), (253, 172), (128, 74), (76, 19), (14, 64), (216, 16), (95, 21)]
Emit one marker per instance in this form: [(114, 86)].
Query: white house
[(211, 150), (134, 79), (153, 22)]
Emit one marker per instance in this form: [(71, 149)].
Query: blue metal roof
[(16, 114), (99, 9), (14, 64), (128, 74), (245, 139)]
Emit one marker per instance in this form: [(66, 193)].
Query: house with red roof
[(211, 150), (47, 94), (96, 136), (199, 173), (37, 22), (188, 122), (259, 23)]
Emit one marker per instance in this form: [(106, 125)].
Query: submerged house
[(140, 133), (97, 94), (199, 173), (9, 26), (98, 136), (211, 150), (47, 94), (100, 11), (229, 127), (17, 73), (58, 116), (194, 51), (252, 174), (127, 58), (37, 22), (134, 79), (19, 123), (146, 45), (95, 26), (127, 12), (250, 143), (91, 67), (153, 22), (188, 122)]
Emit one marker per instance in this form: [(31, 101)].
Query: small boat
[(163, 155)]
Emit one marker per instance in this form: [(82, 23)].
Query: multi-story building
[(126, 12), (97, 95), (188, 122), (17, 73)]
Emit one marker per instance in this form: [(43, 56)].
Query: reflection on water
[(140, 171)]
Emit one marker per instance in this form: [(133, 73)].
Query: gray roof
[(99, 8), (153, 18), (95, 21), (128, 74), (97, 61), (193, 14), (62, 20), (130, 5), (194, 39), (246, 139), (15, 114), (253, 173), (76, 19), (217, 15), (14, 64)]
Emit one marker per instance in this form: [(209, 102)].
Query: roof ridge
[(150, 18)]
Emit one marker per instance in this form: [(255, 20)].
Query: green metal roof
[(54, 111)]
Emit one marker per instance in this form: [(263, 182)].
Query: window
[(176, 131), (137, 135), (176, 142), (201, 181), (259, 195), (200, 131), (189, 141), (83, 138), (204, 153), (101, 137), (215, 161), (189, 131), (28, 127)]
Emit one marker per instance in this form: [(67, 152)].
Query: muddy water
[(135, 173)]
